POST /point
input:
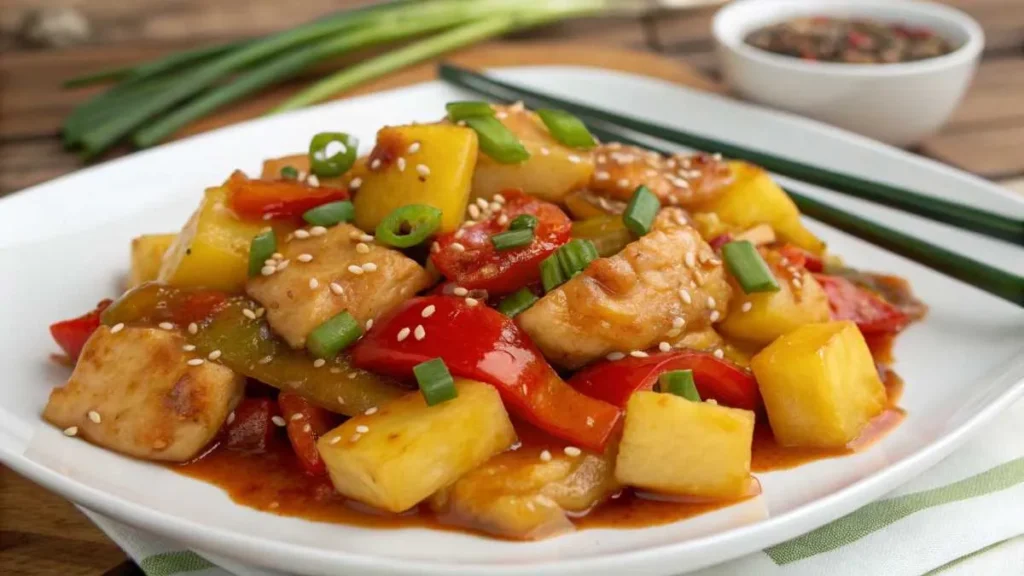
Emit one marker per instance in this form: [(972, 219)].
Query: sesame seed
[(297, 416), (268, 270), (362, 429), (678, 322), (369, 267), (472, 301), (685, 296), (375, 164), (355, 183), (340, 400), (428, 311), (166, 326), (664, 346), (283, 264), (590, 421), (481, 203), (414, 147), (574, 159), (195, 362), (370, 411), (231, 417), (319, 363), (420, 332), (117, 328), (544, 151), (352, 375), (457, 246), (95, 417), (277, 420), (369, 323), (474, 211), (435, 247), (623, 183), (307, 428), (312, 180), (213, 355), (545, 456), (715, 315), (363, 248), (334, 440), (572, 451), (260, 312), (189, 347), (746, 306), (719, 353), (422, 170), (401, 164), (613, 356), (498, 198), (460, 291), (711, 302), (691, 260), (502, 220), (248, 314), (712, 401), (304, 257), (355, 437), (314, 283), (638, 354), (317, 231), (403, 333), (357, 270), (277, 256), (265, 360), (365, 238), (796, 283), (602, 175), (71, 431), (336, 288), (301, 234), (494, 207)]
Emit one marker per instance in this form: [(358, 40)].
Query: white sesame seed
[(375, 164), (166, 326), (498, 198), (572, 451), (494, 207), (403, 333), (414, 147), (623, 183), (472, 301), (574, 159), (369, 323), (363, 248), (544, 151), (365, 238), (317, 231), (428, 311), (746, 306), (319, 363), (117, 328), (711, 302), (248, 314), (189, 347), (601, 175), (435, 247), (370, 411), (715, 315), (362, 429), (401, 164), (283, 264), (214, 355), (268, 270), (307, 428), (420, 332), (638, 354), (590, 421), (460, 291), (304, 257), (277, 256), (457, 246), (340, 400), (481, 203), (195, 362), (231, 417), (796, 283), (690, 259), (277, 420), (422, 170), (355, 183), (474, 211), (355, 437), (297, 416), (502, 220), (301, 234), (545, 456), (678, 322), (312, 180), (336, 288), (613, 356), (314, 283), (265, 360), (334, 440), (352, 375), (357, 270), (71, 431), (664, 346), (719, 353), (369, 267), (685, 296), (95, 417)]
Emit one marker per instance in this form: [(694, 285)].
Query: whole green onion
[(261, 248), (641, 210), (336, 164), (748, 268), (330, 214), (517, 302), (679, 383), (334, 335), (435, 381), (408, 225), (567, 129)]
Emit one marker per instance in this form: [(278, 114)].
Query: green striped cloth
[(965, 516)]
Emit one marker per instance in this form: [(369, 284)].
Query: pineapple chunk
[(421, 164), (408, 450), (550, 173), (212, 250), (819, 385), (147, 256), (754, 198), (772, 314), (675, 446)]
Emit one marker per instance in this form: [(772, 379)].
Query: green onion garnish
[(523, 221), (330, 214), (332, 153), (435, 381), (261, 248), (551, 276), (334, 335), (408, 225), (289, 173), (472, 109), (641, 210), (566, 128), (680, 383), (512, 239), (748, 268), (497, 141), (575, 256), (517, 302)]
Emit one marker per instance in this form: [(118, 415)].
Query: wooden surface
[(43, 535)]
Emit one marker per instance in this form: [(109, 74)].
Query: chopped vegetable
[(332, 153), (575, 256), (251, 429), (494, 350), (497, 141), (283, 199), (409, 225), (334, 335), (748, 267), (567, 129), (71, 335), (551, 276), (680, 383), (330, 214), (641, 211), (871, 313), (523, 222), (289, 173), (435, 381), (261, 248), (469, 109), (516, 302), (305, 424), (607, 233), (148, 256), (512, 239)]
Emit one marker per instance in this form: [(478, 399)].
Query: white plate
[(64, 245)]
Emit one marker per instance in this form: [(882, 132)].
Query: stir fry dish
[(491, 323)]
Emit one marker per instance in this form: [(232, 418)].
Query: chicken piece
[(341, 269), (679, 180), (134, 392), (659, 286)]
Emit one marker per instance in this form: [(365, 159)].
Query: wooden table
[(43, 535)]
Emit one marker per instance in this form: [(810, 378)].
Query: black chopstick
[(990, 279), (953, 213)]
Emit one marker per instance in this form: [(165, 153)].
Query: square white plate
[(64, 246)]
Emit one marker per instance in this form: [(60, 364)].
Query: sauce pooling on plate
[(851, 41)]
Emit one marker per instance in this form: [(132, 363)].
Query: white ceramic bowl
[(896, 103)]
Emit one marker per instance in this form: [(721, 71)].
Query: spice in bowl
[(851, 41)]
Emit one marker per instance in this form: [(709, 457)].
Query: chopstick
[(953, 213), (605, 126)]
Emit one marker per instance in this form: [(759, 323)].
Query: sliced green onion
[(575, 256), (497, 141), (435, 381), (289, 173), (334, 335), (523, 221), (512, 239), (409, 225), (680, 383), (748, 268), (517, 302), (551, 276), (567, 129), (641, 210), (330, 214), (261, 248), (332, 153), (472, 109)]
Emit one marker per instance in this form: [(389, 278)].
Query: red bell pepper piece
[(483, 344), (481, 266), (71, 335), (259, 199), (252, 428), (871, 313), (614, 381), (305, 424)]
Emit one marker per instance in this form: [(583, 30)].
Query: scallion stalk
[(435, 381), (679, 383), (517, 302), (748, 267), (261, 248), (641, 210), (566, 128), (330, 214), (334, 335), (512, 239), (462, 110)]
